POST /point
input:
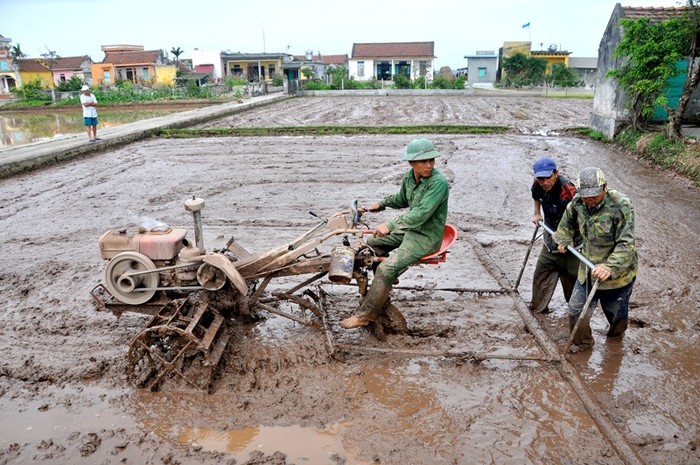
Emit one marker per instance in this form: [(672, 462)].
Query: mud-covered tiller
[(192, 293)]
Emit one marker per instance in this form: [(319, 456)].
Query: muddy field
[(280, 398)]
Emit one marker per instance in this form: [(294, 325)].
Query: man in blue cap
[(551, 193), (410, 236)]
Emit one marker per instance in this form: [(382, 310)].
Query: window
[(360, 69), (423, 67), (482, 73), (384, 70), (107, 76), (271, 70), (62, 77), (144, 74), (403, 67)]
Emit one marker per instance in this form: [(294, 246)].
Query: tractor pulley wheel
[(129, 288)]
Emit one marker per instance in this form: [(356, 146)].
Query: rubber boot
[(618, 329), (584, 336), (377, 296)]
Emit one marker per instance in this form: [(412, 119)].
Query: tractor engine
[(156, 258)]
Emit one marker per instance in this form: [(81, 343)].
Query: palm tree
[(16, 53), (177, 52)]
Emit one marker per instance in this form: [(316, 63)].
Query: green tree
[(72, 84), (401, 81), (177, 52), (650, 52), (32, 91), (340, 78), (442, 82), (562, 76), (307, 72), (16, 53), (522, 70)]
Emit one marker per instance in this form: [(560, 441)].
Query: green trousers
[(407, 249)]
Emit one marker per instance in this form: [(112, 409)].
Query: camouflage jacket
[(426, 200), (608, 236)]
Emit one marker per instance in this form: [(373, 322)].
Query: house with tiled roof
[(384, 60), (610, 112), (33, 69), (64, 68), (252, 66), (134, 64), (319, 64)]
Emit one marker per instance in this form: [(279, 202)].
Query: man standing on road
[(412, 235), (551, 193), (605, 219), (89, 103)]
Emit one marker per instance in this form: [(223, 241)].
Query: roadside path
[(15, 160)]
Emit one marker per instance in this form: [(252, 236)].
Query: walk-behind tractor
[(193, 294)]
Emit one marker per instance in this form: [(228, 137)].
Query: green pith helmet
[(420, 149)]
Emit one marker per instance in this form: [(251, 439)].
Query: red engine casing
[(155, 244)]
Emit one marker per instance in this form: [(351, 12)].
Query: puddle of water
[(20, 128), (34, 421), (299, 444)]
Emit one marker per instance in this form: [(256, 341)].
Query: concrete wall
[(609, 101), (609, 113)]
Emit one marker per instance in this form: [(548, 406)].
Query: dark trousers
[(550, 269), (615, 305)]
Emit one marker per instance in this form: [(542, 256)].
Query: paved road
[(14, 160)]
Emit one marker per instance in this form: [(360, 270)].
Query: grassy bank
[(331, 130), (681, 156)]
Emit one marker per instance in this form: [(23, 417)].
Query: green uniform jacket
[(425, 220), (608, 237)]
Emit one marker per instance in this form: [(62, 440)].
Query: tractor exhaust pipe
[(195, 205)]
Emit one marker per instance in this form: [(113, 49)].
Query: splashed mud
[(279, 397)]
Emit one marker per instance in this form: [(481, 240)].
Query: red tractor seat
[(448, 238)]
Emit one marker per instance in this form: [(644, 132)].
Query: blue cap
[(544, 167)]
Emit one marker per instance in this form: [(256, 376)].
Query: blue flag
[(526, 25)]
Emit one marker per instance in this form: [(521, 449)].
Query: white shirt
[(88, 112)]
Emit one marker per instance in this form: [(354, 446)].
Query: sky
[(457, 27)]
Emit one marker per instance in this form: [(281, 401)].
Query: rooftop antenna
[(263, 32)]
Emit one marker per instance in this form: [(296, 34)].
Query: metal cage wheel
[(128, 288), (161, 352)]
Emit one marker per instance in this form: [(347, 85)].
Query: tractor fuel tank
[(155, 244)]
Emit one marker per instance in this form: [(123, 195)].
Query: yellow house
[(552, 56), (252, 66), (134, 64), (31, 69)]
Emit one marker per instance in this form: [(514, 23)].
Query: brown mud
[(279, 397)]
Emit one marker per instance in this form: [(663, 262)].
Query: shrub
[(235, 81), (419, 83), (441, 82), (401, 81), (315, 85), (72, 84), (277, 80), (32, 91)]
